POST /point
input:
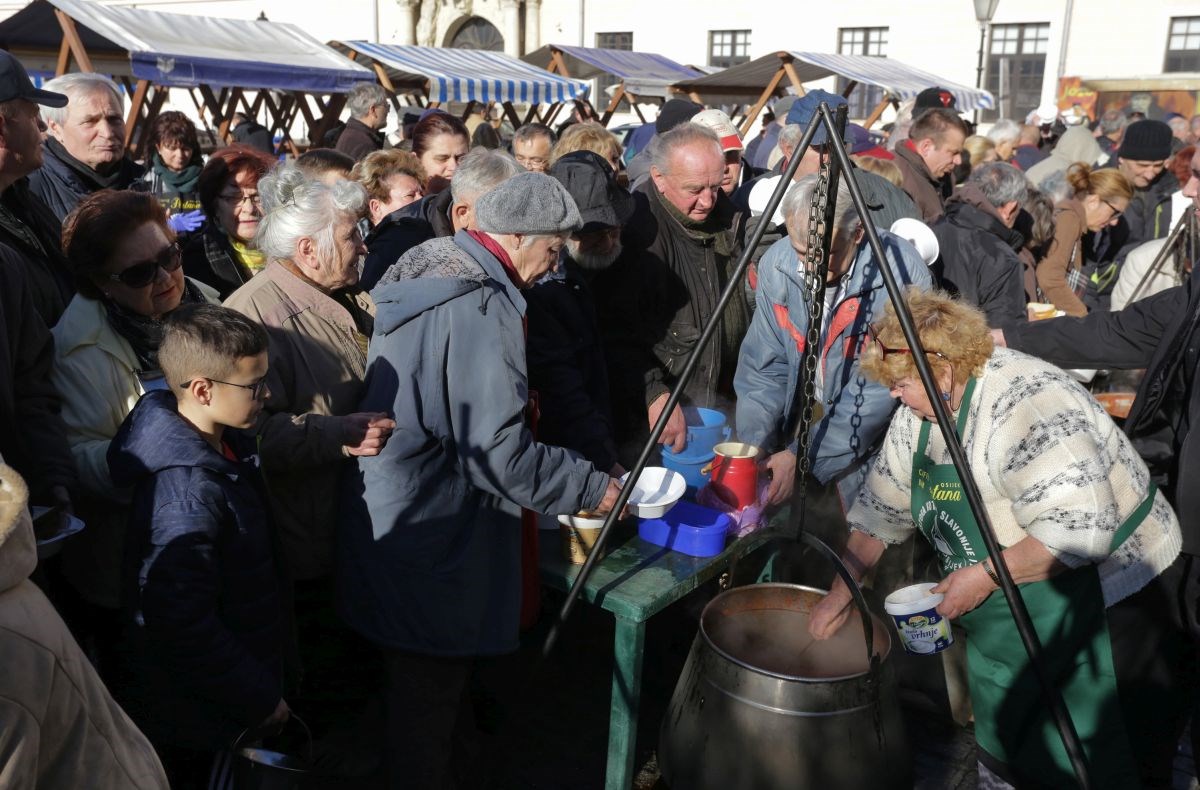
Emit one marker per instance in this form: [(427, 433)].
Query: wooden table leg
[(626, 694)]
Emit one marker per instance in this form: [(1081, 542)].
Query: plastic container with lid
[(689, 529)]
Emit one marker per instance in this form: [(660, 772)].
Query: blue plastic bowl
[(690, 466), (689, 529), (706, 429)]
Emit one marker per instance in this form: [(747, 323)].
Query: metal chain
[(816, 267)]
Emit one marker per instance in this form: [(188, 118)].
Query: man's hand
[(675, 434), (782, 468), (963, 590), (366, 433), (610, 498), (831, 612), (278, 718)]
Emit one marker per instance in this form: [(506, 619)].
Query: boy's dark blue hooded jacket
[(205, 631)]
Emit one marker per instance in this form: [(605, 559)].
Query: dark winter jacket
[(208, 258), (61, 182), (567, 368), (396, 234), (1148, 215), (33, 437), (1026, 156), (204, 614), (429, 549), (653, 304), (979, 258), (927, 192), (1162, 334), (30, 228), (357, 140)]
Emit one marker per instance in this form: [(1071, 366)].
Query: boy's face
[(235, 406)]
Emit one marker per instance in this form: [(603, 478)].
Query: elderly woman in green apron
[(1086, 536)]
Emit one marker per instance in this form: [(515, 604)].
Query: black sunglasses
[(257, 389), (139, 275)]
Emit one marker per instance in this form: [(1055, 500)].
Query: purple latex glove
[(186, 222)]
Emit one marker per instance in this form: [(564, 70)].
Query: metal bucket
[(256, 768), (759, 705)]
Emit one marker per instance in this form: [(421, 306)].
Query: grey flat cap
[(528, 204)]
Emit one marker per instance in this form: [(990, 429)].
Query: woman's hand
[(963, 590), (828, 616)]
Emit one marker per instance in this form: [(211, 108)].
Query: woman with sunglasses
[(1099, 198), (129, 277), (1084, 532), (224, 255)]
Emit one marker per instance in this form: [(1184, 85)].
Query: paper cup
[(914, 611), (579, 536)]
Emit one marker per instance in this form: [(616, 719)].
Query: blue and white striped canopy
[(644, 73), (464, 75)]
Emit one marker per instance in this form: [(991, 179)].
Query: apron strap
[(1135, 519), (961, 424)]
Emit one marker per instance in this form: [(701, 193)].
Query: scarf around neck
[(143, 332), (183, 181), (501, 254), (117, 179), (711, 228)]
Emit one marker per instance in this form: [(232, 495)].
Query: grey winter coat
[(429, 548)]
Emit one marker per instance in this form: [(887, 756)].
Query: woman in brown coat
[(1099, 198)]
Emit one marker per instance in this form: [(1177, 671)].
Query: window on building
[(728, 47), (862, 41), (1183, 44), (606, 81), (1016, 67)]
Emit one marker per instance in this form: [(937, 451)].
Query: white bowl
[(581, 522), (655, 492)]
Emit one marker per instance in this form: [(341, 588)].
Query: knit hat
[(1146, 141), (529, 204), (719, 122), (601, 201), (934, 99), (673, 113), (806, 107)]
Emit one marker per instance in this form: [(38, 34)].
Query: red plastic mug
[(734, 476)]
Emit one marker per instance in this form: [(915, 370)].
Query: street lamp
[(984, 11)]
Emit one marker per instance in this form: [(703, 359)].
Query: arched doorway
[(476, 33)]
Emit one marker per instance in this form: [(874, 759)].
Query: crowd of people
[(307, 411)]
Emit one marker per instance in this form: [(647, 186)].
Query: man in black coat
[(565, 355), (979, 245), (368, 115)]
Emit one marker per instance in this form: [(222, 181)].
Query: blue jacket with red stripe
[(856, 411)]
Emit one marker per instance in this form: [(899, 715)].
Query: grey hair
[(790, 137), (79, 83), (798, 200), (529, 132), (481, 171), (363, 96), (1000, 183), (1112, 122), (667, 143), (1056, 187), (1005, 130), (297, 206)]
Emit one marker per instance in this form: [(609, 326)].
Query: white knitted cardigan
[(1049, 463)]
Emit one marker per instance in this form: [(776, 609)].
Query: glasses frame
[(169, 260), (257, 390), (255, 200), (1116, 212)]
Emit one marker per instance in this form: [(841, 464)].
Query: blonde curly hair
[(954, 334), (374, 170)]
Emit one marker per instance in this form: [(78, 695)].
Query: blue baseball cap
[(806, 107)]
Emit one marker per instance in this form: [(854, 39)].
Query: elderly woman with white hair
[(84, 145), (430, 549)]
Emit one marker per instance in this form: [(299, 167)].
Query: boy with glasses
[(204, 634)]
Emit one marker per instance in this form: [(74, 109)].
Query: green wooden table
[(635, 582)]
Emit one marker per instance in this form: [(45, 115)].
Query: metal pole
[(979, 66), (1029, 637), (732, 289), (1161, 258)]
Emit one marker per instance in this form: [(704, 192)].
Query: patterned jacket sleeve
[(883, 507)]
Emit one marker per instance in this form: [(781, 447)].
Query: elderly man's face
[(693, 178), (733, 169), (1004, 150), (22, 139), (1192, 188), (533, 153), (1141, 173), (94, 129), (595, 249)]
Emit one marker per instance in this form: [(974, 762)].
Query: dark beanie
[(1146, 141), (673, 113)]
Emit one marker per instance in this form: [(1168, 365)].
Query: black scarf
[(143, 332), (119, 178)]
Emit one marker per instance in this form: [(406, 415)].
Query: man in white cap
[(731, 144)]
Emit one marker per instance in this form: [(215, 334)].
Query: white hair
[(363, 96), (296, 206), (480, 171), (1005, 130), (790, 137), (80, 83), (798, 200)]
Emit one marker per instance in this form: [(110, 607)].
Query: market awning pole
[(732, 288), (1029, 637)]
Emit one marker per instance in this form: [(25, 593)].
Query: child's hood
[(154, 437)]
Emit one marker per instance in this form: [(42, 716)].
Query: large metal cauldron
[(759, 705)]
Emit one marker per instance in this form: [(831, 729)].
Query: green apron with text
[(1011, 720)]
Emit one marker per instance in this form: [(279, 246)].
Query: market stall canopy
[(466, 75), (765, 74), (643, 73), (179, 50)]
